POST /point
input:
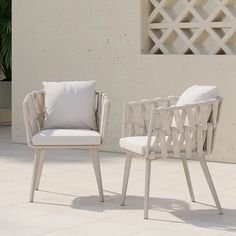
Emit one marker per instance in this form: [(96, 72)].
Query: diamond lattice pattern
[(192, 27)]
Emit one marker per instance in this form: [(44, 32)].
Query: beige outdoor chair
[(158, 128), (34, 110)]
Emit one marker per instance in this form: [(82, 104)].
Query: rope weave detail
[(177, 130)]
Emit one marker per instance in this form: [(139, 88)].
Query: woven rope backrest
[(101, 101), (185, 129), (137, 117), (34, 111)]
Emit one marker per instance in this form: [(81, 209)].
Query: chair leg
[(97, 170), (147, 187), (35, 173), (188, 178), (128, 161), (210, 183), (41, 161)]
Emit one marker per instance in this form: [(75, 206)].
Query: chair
[(158, 128), (42, 140)]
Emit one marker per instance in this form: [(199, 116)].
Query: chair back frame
[(34, 114), (190, 129)]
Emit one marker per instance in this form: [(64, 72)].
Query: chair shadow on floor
[(206, 218), (181, 210)]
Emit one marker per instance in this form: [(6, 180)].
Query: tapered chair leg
[(128, 161), (210, 183), (188, 178), (35, 173), (41, 161), (147, 187), (97, 170)]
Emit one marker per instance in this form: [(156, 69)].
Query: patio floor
[(67, 203)]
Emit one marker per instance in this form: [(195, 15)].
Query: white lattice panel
[(192, 27)]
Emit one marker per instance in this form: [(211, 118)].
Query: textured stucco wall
[(56, 40)]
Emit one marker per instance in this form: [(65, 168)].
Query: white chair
[(158, 128), (42, 140)]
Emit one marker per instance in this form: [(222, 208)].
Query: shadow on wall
[(22, 153)]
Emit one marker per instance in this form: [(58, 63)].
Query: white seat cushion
[(138, 145), (135, 144), (67, 137)]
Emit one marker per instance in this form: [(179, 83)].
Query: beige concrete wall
[(56, 40)]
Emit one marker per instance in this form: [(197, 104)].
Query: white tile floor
[(67, 202)]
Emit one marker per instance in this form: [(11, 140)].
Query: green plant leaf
[(5, 36)]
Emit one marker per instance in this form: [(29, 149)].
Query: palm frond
[(5, 35)]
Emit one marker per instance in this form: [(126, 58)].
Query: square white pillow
[(70, 105), (197, 94)]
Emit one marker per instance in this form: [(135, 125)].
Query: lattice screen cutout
[(192, 27)]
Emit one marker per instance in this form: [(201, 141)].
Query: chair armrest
[(136, 115), (33, 117), (103, 115)]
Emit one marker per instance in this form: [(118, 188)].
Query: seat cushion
[(67, 137), (70, 105), (135, 144), (138, 145)]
